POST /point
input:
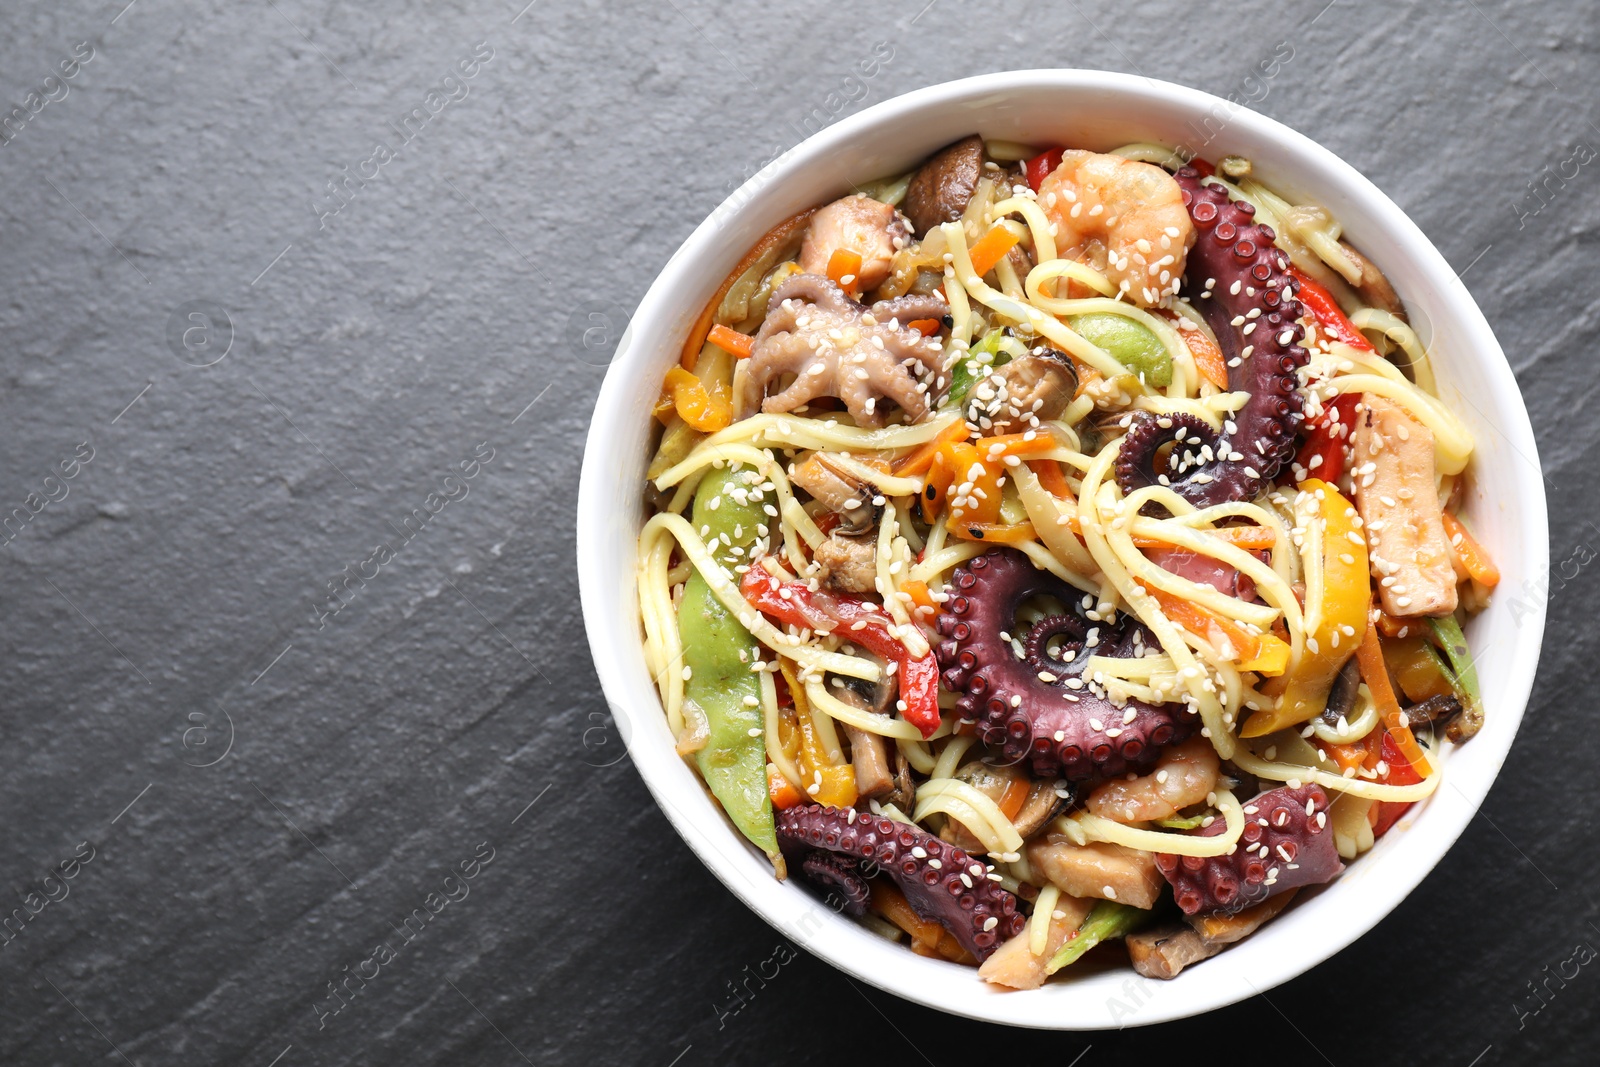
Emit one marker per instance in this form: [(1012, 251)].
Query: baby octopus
[(1242, 286), (835, 347), (1124, 218), (1042, 706)]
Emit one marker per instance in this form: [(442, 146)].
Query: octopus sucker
[(1247, 296), (839, 849), (1286, 842), (1041, 707)]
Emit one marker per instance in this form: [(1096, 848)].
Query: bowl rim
[(845, 944)]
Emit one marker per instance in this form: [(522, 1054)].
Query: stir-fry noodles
[(1052, 548)]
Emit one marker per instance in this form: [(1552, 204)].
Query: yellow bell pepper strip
[(863, 623), (1414, 666), (766, 248), (1376, 676), (706, 410), (736, 344), (1343, 597), (993, 533), (991, 248), (826, 780), (1471, 554), (717, 653), (975, 498)]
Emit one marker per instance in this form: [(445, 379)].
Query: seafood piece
[(868, 227), (1393, 475), (1124, 218), (1183, 776), (835, 347)]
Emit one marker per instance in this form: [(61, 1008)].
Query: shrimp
[(1183, 776), (1124, 218)]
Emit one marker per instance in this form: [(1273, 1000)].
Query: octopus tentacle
[(1039, 707), (943, 883), (841, 875), (1287, 842), (1242, 286)]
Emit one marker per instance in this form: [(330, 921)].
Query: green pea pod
[(734, 760), (1130, 343), (1107, 922)]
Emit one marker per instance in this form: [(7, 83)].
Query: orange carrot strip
[(783, 794), (1200, 622), (736, 344), (890, 903), (1207, 357), (920, 458), (926, 327), (1016, 444), (1246, 537), (1471, 554), (1015, 796), (919, 594), (1051, 478), (991, 249), (774, 237), (1369, 654), (845, 263)]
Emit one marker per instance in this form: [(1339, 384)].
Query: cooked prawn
[(1183, 776), (1122, 217)]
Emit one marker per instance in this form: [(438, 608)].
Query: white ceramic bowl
[(1095, 110)]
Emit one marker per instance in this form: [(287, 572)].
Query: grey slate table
[(262, 348)]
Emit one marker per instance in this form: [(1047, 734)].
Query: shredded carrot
[(920, 458), (1347, 757), (1370, 656), (991, 249), (1051, 478), (1201, 623), (778, 235), (980, 505), (919, 594), (739, 345), (1028, 443), (1249, 538), (1015, 796), (992, 533), (844, 268), (926, 327), (1207, 358), (890, 903), (937, 486), (706, 410), (1472, 556), (784, 795)]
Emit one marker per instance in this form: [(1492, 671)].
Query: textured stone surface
[(378, 752)]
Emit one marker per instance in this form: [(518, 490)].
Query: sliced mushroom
[(1374, 286), (989, 780), (940, 190), (1031, 388), (1342, 697), (904, 795), (1432, 710), (836, 489), (869, 752)]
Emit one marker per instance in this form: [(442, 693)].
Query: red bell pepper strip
[(1329, 440), (1206, 169), (859, 621), (1325, 309), (1042, 166), (1387, 812)]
